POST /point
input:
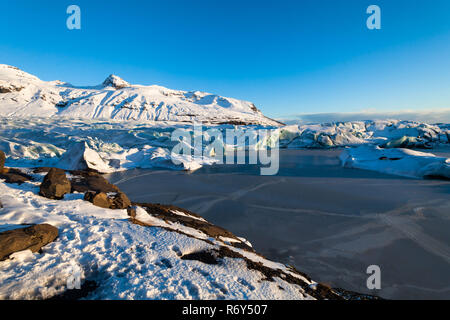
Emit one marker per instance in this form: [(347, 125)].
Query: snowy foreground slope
[(22, 94), (145, 257)]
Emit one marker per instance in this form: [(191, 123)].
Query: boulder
[(99, 199), (132, 211), (2, 160), (11, 175), (41, 169), (120, 201), (55, 184), (84, 181), (112, 200), (31, 238)]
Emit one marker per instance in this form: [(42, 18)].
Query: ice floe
[(402, 162), (81, 157)]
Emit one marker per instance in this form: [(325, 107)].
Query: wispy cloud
[(435, 116)]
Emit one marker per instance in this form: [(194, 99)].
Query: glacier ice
[(400, 161), (118, 125), (124, 145), (81, 157)]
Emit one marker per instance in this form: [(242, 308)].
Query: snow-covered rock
[(22, 94), (115, 82), (402, 162)]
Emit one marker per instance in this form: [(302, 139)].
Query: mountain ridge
[(23, 94)]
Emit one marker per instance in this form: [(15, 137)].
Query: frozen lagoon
[(328, 221)]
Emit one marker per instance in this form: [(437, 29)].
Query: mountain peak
[(115, 82), (135, 102)]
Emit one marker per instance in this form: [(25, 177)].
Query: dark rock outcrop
[(9, 88), (115, 82), (32, 238), (55, 184), (12, 175), (113, 200), (192, 220), (41, 169), (84, 181), (2, 160)]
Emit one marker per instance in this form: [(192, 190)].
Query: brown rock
[(12, 175), (41, 169), (2, 160), (99, 199), (120, 201), (116, 200), (84, 181), (32, 238), (55, 184), (10, 88), (131, 210)]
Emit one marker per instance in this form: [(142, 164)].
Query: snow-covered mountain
[(22, 94)]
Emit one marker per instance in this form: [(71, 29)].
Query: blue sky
[(288, 57)]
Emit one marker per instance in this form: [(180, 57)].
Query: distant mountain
[(22, 94)]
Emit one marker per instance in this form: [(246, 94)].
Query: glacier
[(109, 146), (118, 126)]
